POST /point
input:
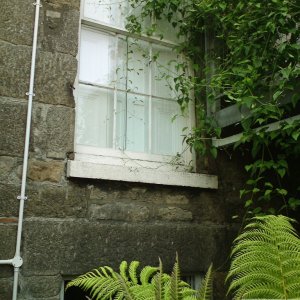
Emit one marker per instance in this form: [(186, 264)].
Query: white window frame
[(123, 165)]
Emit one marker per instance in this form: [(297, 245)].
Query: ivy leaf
[(276, 95), (281, 172), (214, 152), (295, 135), (282, 192), (248, 202)]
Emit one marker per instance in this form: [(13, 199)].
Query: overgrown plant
[(254, 64), (151, 284), (265, 260)]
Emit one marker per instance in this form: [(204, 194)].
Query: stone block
[(64, 3), (76, 246), (17, 19), (55, 201), (8, 233), (6, 286), (52, 171), (9, 205), (177, 199), (42, 287), (60, 130), (60, 29), (54, 74), (119, 211), (8, 169), (6, 271), (12, 129), (174, 214)]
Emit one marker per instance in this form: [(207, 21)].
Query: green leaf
[(276, 95), (281, 172), (282, 192), (248, 202), (214, 152), (295, 135)]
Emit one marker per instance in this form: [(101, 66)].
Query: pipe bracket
[(17, 261), (35, 3), (22, 198), (31, 94)]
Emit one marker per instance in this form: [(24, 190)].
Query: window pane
[(137, 123), (138, 66), (97, 57), (167, 125), (112, 12), (94, 119), (163, 71)]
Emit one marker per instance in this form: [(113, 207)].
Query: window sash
[(117, 141)]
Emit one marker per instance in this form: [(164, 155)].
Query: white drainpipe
[(17, 261)]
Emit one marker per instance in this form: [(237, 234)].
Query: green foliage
[(151, 284), (266, 260), (254, 64)]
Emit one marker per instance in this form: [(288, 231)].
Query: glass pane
[(112, 12), (164, 71), (167, 125), (94, 118), (138, 66), (97, 57), (121, 68), (137, 123)]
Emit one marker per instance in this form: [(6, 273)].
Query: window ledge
[(90, 170)]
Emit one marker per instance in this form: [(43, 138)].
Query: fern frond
[(158, 282), (266, 260), (206, 289), (133, 271), (123, 270), (147, 273), (124, 286), (174, 282)]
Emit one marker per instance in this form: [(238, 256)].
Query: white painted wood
[(90, 170), (234, 138)]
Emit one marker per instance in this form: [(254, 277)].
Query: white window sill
[(83, 169)]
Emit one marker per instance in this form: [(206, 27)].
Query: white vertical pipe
[(22, 197)]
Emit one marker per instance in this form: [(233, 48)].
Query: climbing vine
[(254, 64)]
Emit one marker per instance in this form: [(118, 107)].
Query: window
[(126, 112)]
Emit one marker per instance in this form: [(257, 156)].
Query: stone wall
[(73, 225)]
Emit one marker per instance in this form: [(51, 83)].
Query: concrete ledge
[(90, 170)]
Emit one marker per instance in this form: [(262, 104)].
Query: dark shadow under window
[(75, 293)]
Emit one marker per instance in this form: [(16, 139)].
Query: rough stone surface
[(60, 25), (8, 167), (55, 72), (9, 205), (52, 171), (60, 128), (12, 129), (175, 214), (79, 245), (119, 211), (6, 289), (57, 202), (7, 240), (31, 286), (17, 19)]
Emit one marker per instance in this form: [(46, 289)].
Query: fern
[(266, 260), (151, 284), (205, 292)]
